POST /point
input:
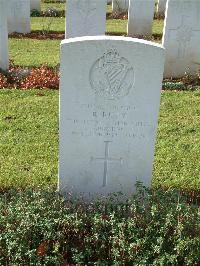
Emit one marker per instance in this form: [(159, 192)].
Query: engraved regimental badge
[(112, 76)]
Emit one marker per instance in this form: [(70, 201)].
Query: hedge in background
[(154, 228)]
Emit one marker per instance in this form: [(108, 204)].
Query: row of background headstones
[(18, 14), (119, 6), (181, 33), (14, 17), (82, 20), (19, 19)]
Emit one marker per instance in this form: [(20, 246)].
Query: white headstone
[(19, 16), (140, 17), (109, 104), (181, 37), (161, 7), (85, 18), (120, 6), (4, 62), (35, 5)]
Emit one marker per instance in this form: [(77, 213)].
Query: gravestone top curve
[(111, 38)]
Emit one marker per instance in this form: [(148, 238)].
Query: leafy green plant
[(187, 82), (174, 86), (35, 13), (153, 227)]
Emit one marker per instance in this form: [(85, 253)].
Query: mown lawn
[(29, 139), (118, 26), (178, 147), (29, 120), (32, 52)]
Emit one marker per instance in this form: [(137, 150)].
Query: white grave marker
[(19, 16), (109, 104), (4, 62), (140, 17), (181, 37), (161, 7), (120, 6), (35, 5), (85, 18)]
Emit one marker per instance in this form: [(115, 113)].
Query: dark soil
[(44, 35), (39, 35)]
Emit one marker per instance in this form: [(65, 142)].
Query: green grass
[(28, 52), (120, 26), (29, 139), (178, 146), (114, 25), (158, 26), (48, 24), (58, 24), (29, 126)]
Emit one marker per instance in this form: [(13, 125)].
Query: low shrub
[(40, 227), (49, 12), (35, 13), (187, 82), (174, 86)]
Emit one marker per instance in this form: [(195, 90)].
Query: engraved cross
[(184, 33), (106, 160)]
